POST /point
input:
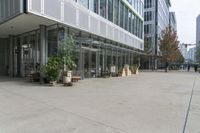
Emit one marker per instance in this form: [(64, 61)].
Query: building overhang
[(23, 23)]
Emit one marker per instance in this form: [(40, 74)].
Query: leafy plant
[(51, 69), (169, 45), (133, 68), (67, 52)]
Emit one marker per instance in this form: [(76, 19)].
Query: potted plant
[(67, 53), (51, 70), (67, 74), (134, 69)]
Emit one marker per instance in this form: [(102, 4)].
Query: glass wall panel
[(133, 22), (94, 6), (130, 21), (103, 8), (85, 3), (91, 5), (126, 18), (110, 10), (130, 1), (121, 14), (116, 12)]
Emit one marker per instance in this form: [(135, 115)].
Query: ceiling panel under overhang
[(23, 23)]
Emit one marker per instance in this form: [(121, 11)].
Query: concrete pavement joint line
[(188, 110), (56, 108), (100, 123)]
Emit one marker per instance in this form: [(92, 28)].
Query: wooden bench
[(76, 78)]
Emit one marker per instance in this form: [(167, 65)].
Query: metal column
[(11, 55)]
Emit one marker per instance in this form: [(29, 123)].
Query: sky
[(186, 13)]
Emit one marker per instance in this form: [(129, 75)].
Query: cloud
[(186, 13)]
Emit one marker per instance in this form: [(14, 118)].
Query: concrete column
[(11, 43), (103, 60), (121, 60), (106, 59), (81, 58), (111, 62), (37, 46), (117, 60), (90, 61), (15, 57), (97, 62), (22, 71), (43, 45), (6, 56)]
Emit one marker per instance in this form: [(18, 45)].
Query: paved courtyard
[(152, 102)]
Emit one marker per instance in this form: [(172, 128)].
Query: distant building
[(156, 19), (172, 20), (107, 33), (183, 50), (188, 52), (198, 30), (191, 54)]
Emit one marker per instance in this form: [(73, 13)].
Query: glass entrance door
[(89, 62)]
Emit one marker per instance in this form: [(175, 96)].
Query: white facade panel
[(36, 5), (77, 16), (52, 8), (83, 20), (70, 14), (94, 25)]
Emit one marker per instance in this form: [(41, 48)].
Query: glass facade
[(119, 13), (148, 16), (148, 4), (85, 3), (103, 8), (116, 12), (110, 10)]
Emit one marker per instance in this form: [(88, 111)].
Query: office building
[(198, 30), (107, 33), (172, 21), (156, 19)]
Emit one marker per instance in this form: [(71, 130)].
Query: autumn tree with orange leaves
[(169, 46)]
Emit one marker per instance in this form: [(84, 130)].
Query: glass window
[(85, 3), (134, 4), (147, 3), (126, 18), (138, 27), (94, 6), (148, 16), (130, 21), (130, 1), (141, 30), (116, 12), (121, 14), (147, 29), (110, 10), (133, 24), (103, 8)]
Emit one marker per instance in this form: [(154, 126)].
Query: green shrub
[(133, 68), (51, 69)]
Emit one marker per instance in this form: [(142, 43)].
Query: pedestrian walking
[(188, 68), (195, 68)]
